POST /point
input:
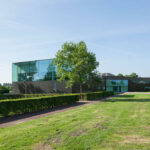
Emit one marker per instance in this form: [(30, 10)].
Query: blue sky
[(118, 31)]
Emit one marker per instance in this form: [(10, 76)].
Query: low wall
[(40, 87)]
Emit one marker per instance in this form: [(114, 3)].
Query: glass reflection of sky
[(117, 82), (41, 70)]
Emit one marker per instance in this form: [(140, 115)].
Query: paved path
[(9, 121), (146, 93)]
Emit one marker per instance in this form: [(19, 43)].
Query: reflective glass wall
[(40, 70), (117, 85)]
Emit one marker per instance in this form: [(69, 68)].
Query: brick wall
[(40, 87)]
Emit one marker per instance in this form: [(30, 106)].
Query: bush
[(20, 106), (86, 96), (96, 95), (18, 96), (3, 97), (4, 91), (24, 105)]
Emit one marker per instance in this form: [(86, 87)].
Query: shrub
[(30, 104), (20, 106), (96, 95), (18, 96), (3, 97), (3, 91), (86, 96)]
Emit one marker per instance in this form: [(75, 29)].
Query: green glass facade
[(117, 85), (40, 70)]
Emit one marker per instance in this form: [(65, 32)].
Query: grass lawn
[(122, 123)]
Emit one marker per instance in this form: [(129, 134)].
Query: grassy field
[(122, 123)]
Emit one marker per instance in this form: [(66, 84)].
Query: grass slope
[(122, 123)]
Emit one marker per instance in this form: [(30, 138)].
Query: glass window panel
[(117, 85), (34, 71), (14, 73), (44, 65), (33, 67), (42, 76), (23, 67)]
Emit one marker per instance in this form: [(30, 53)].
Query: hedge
[(3, 97), (20, 106), (18, 96), (96, 95), (3, 91), (24, 105), (85, 96)]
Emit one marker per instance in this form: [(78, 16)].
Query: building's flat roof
[(32, 61), (125, 78)]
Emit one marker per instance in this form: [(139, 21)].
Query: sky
[(117, 31)]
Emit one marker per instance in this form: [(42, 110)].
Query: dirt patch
[(46, 120), (42, 146), (79, 132), (136, 139), (96, 111), (142, 111), (146, 127), (99, 126), (134, 116), (100, 117), (58, 140)]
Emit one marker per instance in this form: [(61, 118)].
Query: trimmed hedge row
[(85, 96), (24, 105), (3, 97), (20, 106), (18, 96), (96, 95)]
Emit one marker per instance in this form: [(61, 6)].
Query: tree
[(120, 75), (132, 75), (75, 64), (95, 79)]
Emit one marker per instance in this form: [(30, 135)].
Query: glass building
[(40, 70), (117, 85)]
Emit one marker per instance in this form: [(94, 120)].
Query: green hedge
[(3, 91), (96, 95), (20, 106), (17, 96), (3, 97), (86, 96), (24, 105)]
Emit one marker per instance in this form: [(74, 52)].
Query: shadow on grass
[(128, 100), (38, 114), (126, 96)]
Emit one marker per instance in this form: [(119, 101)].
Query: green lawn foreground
[(122, 123)]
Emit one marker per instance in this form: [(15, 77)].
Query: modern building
[(39, 76), (124, 84)]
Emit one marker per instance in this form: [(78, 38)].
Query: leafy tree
[(132, 75), (120, 75), (75, 64), (95, 79)]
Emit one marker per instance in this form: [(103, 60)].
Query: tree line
[(132, 75)]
